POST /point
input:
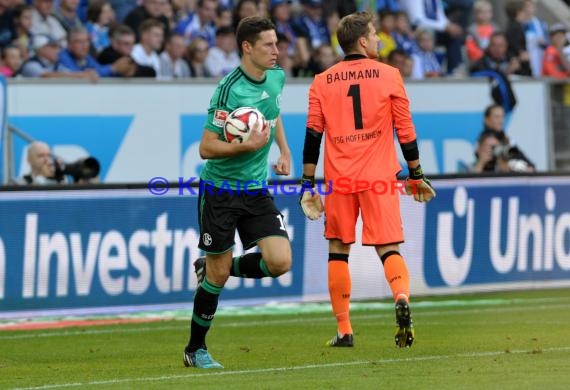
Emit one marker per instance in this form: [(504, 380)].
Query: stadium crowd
[(168, 39)]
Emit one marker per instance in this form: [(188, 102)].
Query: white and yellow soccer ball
[(241, 122)]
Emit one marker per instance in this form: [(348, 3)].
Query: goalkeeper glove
[(310, 201), (419, 186)]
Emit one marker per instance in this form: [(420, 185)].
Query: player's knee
[(279, 264)]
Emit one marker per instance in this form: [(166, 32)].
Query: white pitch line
[(62, 333), (292, 368)]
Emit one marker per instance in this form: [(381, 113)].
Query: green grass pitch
[(512, 340)]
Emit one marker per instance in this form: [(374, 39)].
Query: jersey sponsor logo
[(264, 95), (220, 117), (207, 239)]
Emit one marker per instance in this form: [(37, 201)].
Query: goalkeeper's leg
[(341, 212), (398, 277), (339, 284)]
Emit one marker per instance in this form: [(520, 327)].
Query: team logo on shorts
[(220, 118), (207, 239)]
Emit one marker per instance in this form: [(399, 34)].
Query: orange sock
[(339, 290), (397, 274)]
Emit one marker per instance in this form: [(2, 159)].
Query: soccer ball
[(240, 122)]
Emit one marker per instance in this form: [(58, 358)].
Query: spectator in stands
[(123, 7), (10, 61), (149, 9), (200, 23), (312, 24), (224, 56), (170, 15), (332, 23), (386, 41), (263, 8), (243, 9), (516, 39), (322, 59), (494, 120), (298, 48), (66, 13), (431, 15), (555, 64), (172, 63), (151, 38), (388, 6), (42, 167), (497, 58), (76, 57), (230, 4), (479, 33), (6, 23), (283, 58), (44, 23), (22, 25), (45, 62), (403, 34), (341, 7), (536, 35), (485, 160), (122, 43), (507, 157), (460, 12), (400, 60), (224, 17), (197, 54), (426, 64), (100, 15)]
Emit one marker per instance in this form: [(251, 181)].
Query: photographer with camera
[(42, 166), (492, 155), (45, 169), (506, 156)]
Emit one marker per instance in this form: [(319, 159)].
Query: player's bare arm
[(283, 166), (211, 147)]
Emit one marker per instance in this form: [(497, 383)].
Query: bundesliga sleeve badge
[(220, 118)]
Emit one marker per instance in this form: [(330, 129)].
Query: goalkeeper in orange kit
[(357, 104)]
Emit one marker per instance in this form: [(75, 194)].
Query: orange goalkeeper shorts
[(381, 220)]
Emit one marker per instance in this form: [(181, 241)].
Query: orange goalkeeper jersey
[(358, 103)]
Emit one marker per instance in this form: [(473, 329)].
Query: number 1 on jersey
[(354, 92)]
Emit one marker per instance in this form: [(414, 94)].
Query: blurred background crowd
[(167, 39)]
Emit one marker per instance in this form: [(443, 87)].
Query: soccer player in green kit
[(258, 83)]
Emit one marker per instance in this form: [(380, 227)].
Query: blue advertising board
[(509, 231), (82, 249)]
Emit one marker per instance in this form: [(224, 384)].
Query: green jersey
[(237, 90)]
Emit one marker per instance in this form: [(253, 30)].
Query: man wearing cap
[(45, 62), (554, 62)]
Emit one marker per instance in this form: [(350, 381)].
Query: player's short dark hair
[(249, 28), (351, 28)]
